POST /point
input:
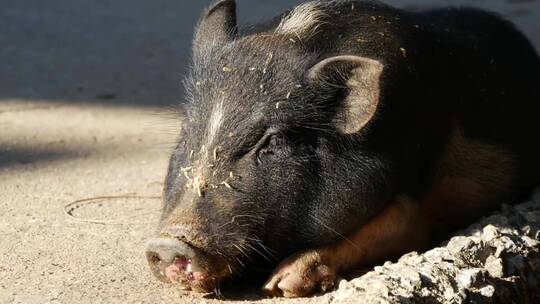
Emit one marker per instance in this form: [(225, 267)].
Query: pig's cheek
[(301, 275)]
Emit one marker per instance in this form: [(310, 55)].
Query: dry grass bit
[(199, 191), (403, 52), (267, 62), (215, 154), (199, 185), (226, 184), (185, 172)]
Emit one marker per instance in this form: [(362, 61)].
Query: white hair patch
[(214, 123), (303, 20)]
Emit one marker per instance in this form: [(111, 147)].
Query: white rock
[(494, 267), (470, 277)]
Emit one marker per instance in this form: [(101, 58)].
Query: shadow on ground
[(121, 52), (124, 52), (33, 155)]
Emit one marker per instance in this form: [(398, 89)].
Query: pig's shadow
[(246, 288), (249, 287)]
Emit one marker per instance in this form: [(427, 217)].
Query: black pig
[(341, 134)]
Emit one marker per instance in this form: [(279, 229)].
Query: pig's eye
[(272, 146)]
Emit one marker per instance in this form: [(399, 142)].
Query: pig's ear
[(217, 25), (360, 77)]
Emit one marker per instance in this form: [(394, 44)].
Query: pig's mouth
[(173, 261), (181, 273)]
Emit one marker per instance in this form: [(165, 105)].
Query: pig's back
[(493, 81), (458, 68)]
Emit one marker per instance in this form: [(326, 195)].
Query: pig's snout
[(173, 261), (162, 253)]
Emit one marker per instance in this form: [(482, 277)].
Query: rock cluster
[(497, 260)]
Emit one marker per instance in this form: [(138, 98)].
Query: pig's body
[(345, 132)]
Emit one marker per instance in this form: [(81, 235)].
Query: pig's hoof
[(300, 276)]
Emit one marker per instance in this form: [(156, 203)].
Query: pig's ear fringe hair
[(336, 79)]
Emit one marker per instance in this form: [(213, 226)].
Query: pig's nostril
[(153, 258), (157, 265)]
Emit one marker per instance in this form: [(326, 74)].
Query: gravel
[(497, 260)]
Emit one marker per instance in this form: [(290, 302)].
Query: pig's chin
[(187, 268), (183, 274), (186, 275)]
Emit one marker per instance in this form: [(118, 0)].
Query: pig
[(339, 135)]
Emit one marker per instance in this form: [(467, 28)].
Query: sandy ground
[(85, 90)]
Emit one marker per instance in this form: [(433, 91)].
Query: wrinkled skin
[(299, 137)]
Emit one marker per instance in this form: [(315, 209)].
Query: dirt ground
[(86, 89)]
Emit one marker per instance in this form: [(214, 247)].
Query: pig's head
[(274, 155)]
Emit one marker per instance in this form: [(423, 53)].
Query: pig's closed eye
[(271, 146)]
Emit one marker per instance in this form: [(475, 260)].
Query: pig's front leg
[(303, 274), (398, 229)]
